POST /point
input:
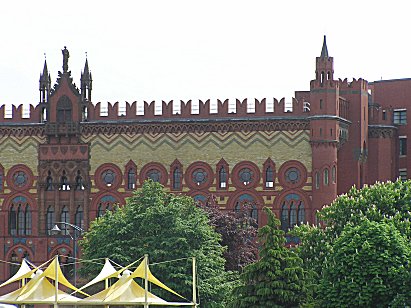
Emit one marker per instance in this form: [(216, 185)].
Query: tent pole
[(56, 281), (146, 281), (106, 287), (23, 283), (194, 284)]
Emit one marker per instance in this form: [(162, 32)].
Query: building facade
[(70, 160)]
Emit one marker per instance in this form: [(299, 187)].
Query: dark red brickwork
[(352, 131)]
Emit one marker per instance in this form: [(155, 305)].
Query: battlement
[(174, 109), (354, 84)]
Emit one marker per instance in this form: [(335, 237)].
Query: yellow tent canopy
[(140, 273), (38, 291), (127, 292), (50, 272), (24, 272)]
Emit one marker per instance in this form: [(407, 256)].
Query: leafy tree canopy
[(368, 267), (238, 231), (277, 278), (166, 227), (383, 203)]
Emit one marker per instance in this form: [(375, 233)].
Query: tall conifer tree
[(277, 278)]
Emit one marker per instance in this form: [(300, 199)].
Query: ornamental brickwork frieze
[(379, 131), (22, 131), (62, 152), (187, 127), (325, 143)]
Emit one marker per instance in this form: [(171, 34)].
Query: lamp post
[(56, 229)]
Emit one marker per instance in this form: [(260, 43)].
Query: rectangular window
[(403, 146), (400, 116), (403, 174)]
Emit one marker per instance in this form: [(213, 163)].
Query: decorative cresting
[(381, 131)]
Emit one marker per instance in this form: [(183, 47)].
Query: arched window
[(79, 217), (246, 199), (20, 217), (326, 176), (154, 175), (64, 108), (131, 179), (177, 178), (317, 180), (292, 212), (12, 221), (269, 177), (106, 204), (301, 214), (293, 215), (200, 198), (254, 212), (14, 263), (79, 181), (284, 217), (222, 176), (49, 182), (334, 174), (20, 220), (27, 220), (50, 220), (64, 182), (65, 217)]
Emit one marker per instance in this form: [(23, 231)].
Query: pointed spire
[(45, 70), (324, 50), (86, 71), (86, 81)]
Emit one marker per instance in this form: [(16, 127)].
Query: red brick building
[(70, 159)]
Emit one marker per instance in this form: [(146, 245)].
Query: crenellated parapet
[(191, 109), (19, 114), (173, 109), (355, 84)]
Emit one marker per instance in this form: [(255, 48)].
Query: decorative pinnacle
[(324, 50)]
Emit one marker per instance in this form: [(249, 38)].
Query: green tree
[(388, 203), (277, 278), (369, 267), (166, 227)]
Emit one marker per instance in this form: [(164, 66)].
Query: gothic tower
[(63, 170), (324, 124)]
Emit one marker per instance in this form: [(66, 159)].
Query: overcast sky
[(153, 50)]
